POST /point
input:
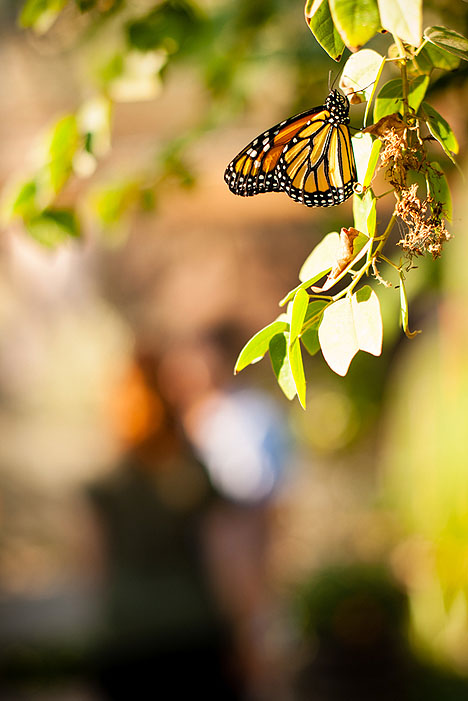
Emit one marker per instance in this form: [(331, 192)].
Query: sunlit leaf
[(372, 164), (365, 213), (139, 78), (366, 152), (440, 130), (53, 226), (402, 18), (317, 264), (337, 336), (356, 20), (255, 349), (298, 312), (373, 92), (351, 324), (404, 310), (439, 189), (62, 147), (362, 147), (321, 258), (318, 17), (448, 39), (304, 285), (368, 320), (280, 363), (297, 370), (361, 71)]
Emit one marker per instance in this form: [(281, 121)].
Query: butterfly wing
[(317, 166), (255, 169), (309, 156)]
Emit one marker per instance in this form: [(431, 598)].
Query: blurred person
[(241, 436), (163, 628)]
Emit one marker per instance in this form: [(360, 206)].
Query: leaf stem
[(404, 74)]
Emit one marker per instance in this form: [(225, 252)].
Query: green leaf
[(24, 204), (404, 310), (351, 324), (390, 98), (111, 69), (280, 363), (372, 164), (439, 190), (314, 311), (319, 19), (322, 258), (312, 322), (255, 349), (169, 26), (53, 226), (365, 213), (303, 286), (356, 20), (310, 340), (440, 130), (415, 176), (86, 5), (113, 202), (449, 40), (63, 144), (360, 72), (297, 371), (298, 312), (431, 57), (40, 14), (402, 18), (417, 90), (366, 153)]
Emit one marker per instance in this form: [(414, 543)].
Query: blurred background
[(164, 525)]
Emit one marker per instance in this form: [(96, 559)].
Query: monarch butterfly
[(308, 156)]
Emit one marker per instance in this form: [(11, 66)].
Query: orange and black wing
[(317, 166), (255, 168)]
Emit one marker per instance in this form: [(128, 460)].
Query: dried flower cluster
[(403, 154), (426, 230)]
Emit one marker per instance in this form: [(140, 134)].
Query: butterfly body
[(308, 156)]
